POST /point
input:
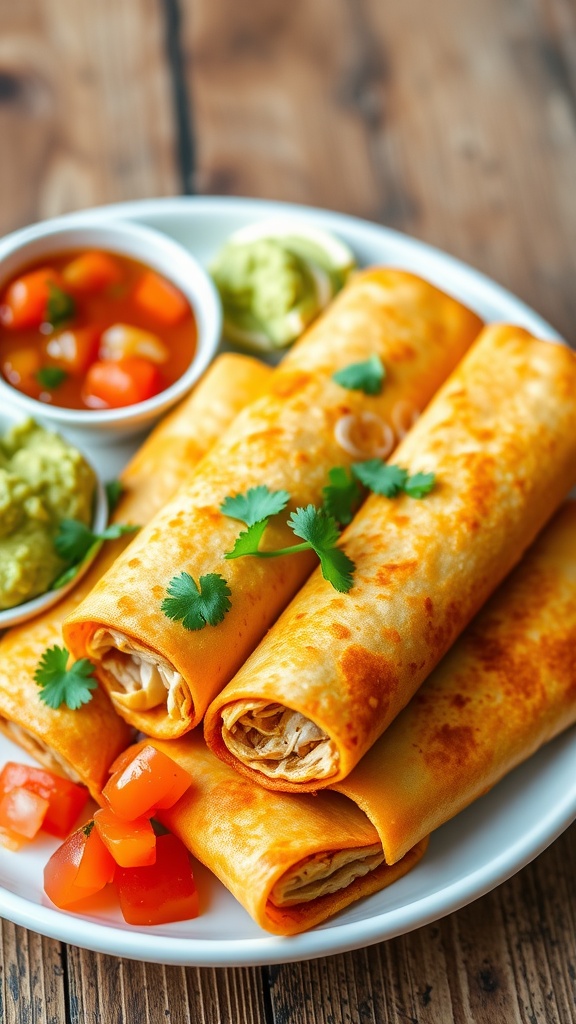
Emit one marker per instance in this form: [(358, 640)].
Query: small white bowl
[(157, 251), (9, 417)]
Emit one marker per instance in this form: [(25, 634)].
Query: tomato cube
[(114, 383), (23, 812), (66, 799), (145, 783), (80, 867), (25, 302), (164, 892), (21, 366), (131, 843), (161, 299), (92, 272)]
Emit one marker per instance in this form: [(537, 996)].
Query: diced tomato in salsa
[(164, 892), (80, 867), (131, 843), (66, 799), (92, 272), (74, 350), (25, 302), (114, 383), (161, 299), (145, 782)]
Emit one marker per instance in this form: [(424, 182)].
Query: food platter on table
[(468, 856)]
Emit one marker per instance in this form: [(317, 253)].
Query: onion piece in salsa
[(93, 330)]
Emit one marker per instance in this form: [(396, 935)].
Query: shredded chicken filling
[(143, 679), (38, 749), (324, 873), (277, 741)]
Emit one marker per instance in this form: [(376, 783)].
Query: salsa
[(93, 330)]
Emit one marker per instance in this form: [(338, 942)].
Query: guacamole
[(43, 479)]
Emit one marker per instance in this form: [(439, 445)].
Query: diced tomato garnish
[(112, 384), (159, 297), (74, 350), (26, 300), (23, 812), (131, 843), (65, 799), (92, 272), (21, 366), (164, 892), (125, 758), (11, 840), (80, 867), (146, 782)]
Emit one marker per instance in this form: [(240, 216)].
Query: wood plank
[(462, 133), (86, 111), (32, 982)]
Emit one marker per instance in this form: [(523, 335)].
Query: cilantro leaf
[(62, 685), (419, 485), (341, 496), (316, 526), (256, 504), (338, 569), (51, 376), (248, 541), (114, 491), (197, 606), (320, 529), (367, 376), (87, 828), (74, 539), (60, 306), (381, 477)]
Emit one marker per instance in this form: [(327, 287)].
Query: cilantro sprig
[(62, 685), (256, 505), (367, 376), (342, 495), (196, 605), (114, 491), (74, 539), (317, 528), (389, 480), (75, 542), (60, 306)]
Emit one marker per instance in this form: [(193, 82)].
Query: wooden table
[(454, 121)]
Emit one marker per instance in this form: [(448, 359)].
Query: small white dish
[(9, 417), (160, 253)]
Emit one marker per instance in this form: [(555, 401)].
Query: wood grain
[(86, 112), (32, 987)]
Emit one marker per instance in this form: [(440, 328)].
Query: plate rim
[(337, 938)]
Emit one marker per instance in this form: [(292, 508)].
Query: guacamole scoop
[(43, 480), (274, 278)]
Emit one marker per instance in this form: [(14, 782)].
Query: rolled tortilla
[(161, 676), (291, 861), (336, 669), (81, 744), (507, 686)]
